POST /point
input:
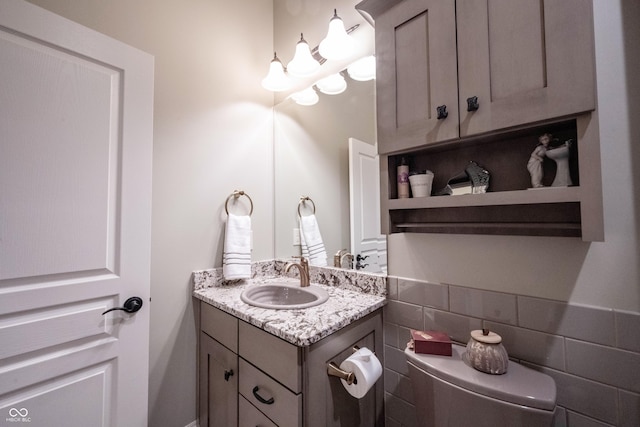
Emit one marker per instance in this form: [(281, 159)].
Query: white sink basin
[(281, 296)]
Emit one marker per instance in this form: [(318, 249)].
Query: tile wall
[(592, 353)]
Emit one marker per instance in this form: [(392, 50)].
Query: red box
[(431, 342)]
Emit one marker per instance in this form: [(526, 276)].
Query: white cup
[(421, 184)]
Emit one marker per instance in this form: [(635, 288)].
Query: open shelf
[(517, 197), (509, 207)]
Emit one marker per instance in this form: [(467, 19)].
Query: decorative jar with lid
[(486, 353)]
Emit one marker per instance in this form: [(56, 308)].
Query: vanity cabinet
[(467, 80), (450, 69), (276, 383)]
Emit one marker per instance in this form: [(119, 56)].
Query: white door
[(75, 190), (364, 190)]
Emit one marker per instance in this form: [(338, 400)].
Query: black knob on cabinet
[(472, 103), (442, 112), (228, 374), (131, 305)]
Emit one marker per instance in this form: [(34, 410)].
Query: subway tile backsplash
[(593, 353)]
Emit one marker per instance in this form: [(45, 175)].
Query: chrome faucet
[(303, 269)]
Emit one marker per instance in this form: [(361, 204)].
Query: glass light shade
[(332, 85), (306, 97), (276, 80), (363, 69), (338, 44), (303, 64)]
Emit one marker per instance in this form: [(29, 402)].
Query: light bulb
[(363, 69), (306, 97), (303, 64), (276, 80), (332, 85), (338, 44)]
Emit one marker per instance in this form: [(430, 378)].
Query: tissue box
[(431, 342)]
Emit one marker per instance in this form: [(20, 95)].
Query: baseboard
[(193, 424)]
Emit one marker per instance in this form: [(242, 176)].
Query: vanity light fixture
[(363, 69), (303, 63), (306, 97), (338, 44), (276, 80), (332, 85)]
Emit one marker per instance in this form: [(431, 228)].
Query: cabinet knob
[(442, 112), (228, 374), (472, 103)]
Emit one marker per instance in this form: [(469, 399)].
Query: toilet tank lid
[(520, 385)]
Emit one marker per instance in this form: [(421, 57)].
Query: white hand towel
[(236, 257), (311, 241)]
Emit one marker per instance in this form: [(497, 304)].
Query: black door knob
[(131, 305)]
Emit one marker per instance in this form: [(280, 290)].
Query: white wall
[(212, 134), (601, 274)]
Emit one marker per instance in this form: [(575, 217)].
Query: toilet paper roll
[(366, 368)]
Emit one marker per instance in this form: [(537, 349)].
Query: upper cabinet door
[(416, 74), (525, 61)]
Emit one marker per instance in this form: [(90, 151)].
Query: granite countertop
[(301, 327)]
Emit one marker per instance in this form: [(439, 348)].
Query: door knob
[(131, 305)]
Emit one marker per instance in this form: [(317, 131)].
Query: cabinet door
[(218, 384), (525, 60), (416, 73)]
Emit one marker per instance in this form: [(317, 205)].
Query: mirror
[(311, 148), (311, 143)]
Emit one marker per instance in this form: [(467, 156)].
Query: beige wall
[(212, 134), (601, 274)]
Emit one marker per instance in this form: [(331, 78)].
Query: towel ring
[(303, 199), (236, 194)]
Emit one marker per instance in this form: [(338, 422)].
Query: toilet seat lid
[(520, 385)]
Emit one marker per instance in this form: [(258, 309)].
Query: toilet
[(448, 392)]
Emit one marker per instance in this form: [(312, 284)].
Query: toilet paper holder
[(334, 370)]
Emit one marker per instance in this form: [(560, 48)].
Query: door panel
[(364, 190), (525, 60), (75, 174), (416, 73), (81, 400)]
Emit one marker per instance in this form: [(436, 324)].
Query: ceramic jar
[(486, 353)]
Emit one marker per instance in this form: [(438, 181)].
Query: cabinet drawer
[(273, 355), (286, 407), (248, 415), (219, 325)]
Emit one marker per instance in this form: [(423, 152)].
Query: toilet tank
[(447, 392)]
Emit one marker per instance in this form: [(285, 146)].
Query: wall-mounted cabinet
[(448, 69), (468, 80)]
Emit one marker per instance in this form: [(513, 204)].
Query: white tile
[(496, 306), (592, 324), (608, 365), (423, 293), (628, 330), (531, 346)]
